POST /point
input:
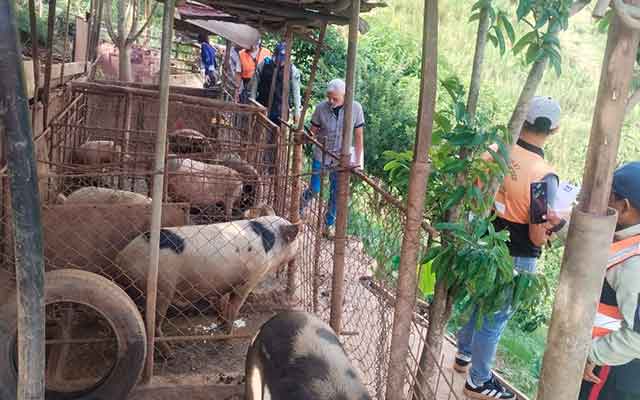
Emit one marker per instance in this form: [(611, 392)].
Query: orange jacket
[(249, 64), (513, 200)]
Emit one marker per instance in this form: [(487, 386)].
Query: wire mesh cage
[(229, 256)]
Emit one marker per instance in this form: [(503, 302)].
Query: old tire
[(112, 303)]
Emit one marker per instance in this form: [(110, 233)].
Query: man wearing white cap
[(477, 347), (326, 124)]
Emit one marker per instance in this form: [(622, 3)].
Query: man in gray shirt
[(326, 125)]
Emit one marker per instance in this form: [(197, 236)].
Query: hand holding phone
[(539, 203)]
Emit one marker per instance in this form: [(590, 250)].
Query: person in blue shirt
[(208, 61)]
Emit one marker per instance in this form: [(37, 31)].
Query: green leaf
[(524, 7), (508, 28), (455, 198), (493, 39), (556, 64), (449, 226), (501, 42), (533, 52), (474, 17), (530, 37), (426, 279), (443, 122)]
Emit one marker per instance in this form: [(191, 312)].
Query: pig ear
[(289, 232)]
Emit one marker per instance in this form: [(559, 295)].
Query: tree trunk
[(478, 61), (591, 230), (439, 314), (419, 175), (124, 63)]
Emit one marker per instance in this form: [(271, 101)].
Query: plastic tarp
[(205, 17)]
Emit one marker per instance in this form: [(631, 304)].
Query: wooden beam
[(70, 70), (253, 7)]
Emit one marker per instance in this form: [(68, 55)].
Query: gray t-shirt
[(329, 122)]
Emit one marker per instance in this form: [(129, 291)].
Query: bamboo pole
[(342, 201), (419, 174), (158, 184), (51, 20), (25, 202), (591, 230)]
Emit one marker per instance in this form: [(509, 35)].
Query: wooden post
[(158, 185), (25, 202), (478, 62), (225, 69), (419, 174), (51, 21), (36, 59), (296, 168), (66, 41), (342, 201), (591, 230)]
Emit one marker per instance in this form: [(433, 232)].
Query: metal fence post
[(25, 202), (342, 201), (158, 184)]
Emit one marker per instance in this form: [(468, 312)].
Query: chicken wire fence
[(226, 201)]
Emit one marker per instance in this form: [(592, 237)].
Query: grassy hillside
[(583, 49)]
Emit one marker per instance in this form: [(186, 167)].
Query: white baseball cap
[(544, 107)]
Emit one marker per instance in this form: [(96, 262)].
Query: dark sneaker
[(491, 390), (462, 363)]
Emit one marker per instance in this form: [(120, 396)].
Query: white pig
[(203, 184), (94, 152), (201, 261), (295, 355), (100, 195)]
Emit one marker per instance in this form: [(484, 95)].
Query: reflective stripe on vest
[(608, 317)]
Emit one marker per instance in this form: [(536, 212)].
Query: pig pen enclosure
[(226, 201)]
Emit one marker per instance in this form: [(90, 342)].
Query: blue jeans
[(481, 345), (314, 189)]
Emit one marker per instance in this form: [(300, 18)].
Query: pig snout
[(296, 355)]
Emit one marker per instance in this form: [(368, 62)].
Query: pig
[(200, 261), (295, 355), (95, 152), (186, 141), (262, 210), (251, 188), (203, 184), (100, 195)]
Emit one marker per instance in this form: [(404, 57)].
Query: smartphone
[(539, 203)]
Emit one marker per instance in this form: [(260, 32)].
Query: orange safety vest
[(514, 197), (608, 317), (249, 64)]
